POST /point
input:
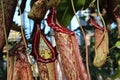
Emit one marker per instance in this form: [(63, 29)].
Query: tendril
[(23, 36), (5, 33), (87, 65)]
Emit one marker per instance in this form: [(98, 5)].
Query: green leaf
[(79, 4), (87, 3), (117, 44), (65, 11)]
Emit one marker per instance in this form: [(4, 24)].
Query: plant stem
[(87, 65), (5, 33), (24, 39), (22, 32)]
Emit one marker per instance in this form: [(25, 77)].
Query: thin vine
[(5, 33), (103, 25), (22, 31), (87, 65), (98, 8), (24, 39), (92, 3)]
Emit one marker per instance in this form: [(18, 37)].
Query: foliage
[(65, 12), (112, 66)]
